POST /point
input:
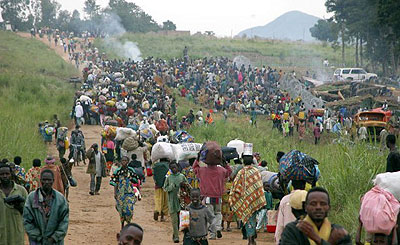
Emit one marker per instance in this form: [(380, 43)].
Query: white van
[(353, 74)]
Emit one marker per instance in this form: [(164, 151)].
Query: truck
[(374, 120)]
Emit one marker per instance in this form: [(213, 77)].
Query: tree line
[(371, 26), (27, 14)]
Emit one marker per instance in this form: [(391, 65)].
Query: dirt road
[(94, 219)]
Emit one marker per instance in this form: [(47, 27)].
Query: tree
[(169, 26), (325, 30), (15, 11), (91, 9), (338, 7), (63, 20), (75, 24), (49, 10), (373, 24), (132, 17)]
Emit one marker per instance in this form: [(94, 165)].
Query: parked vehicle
[(353, 74), (374, 120)]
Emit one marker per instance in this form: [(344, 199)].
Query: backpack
[(379, 210)]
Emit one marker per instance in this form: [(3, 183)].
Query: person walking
[(57, 182), (33, 175), (285, 215), (126, 193), (78, 113), (393, 159), (212, 186), (96, 168), (160, 170), (172, 185), (46, 213), (200, 219), (12, 199), (317, 133), (247, 197)]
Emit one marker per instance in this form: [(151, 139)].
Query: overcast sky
[(224, 17)]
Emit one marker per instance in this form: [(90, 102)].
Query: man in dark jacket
[(393, 159), (315, 228)]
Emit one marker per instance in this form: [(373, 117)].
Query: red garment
[(212, 179), (317, 132), (110, 144)]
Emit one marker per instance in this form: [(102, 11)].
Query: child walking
[(317, 133), (262, 215), (200, 218), (172, 185)]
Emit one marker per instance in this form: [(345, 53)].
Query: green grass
[(33, 87), (280, 54), (347, 170)]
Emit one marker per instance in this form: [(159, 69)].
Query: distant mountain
[(293, 25)]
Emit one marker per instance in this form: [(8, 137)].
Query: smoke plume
[(114, 30)]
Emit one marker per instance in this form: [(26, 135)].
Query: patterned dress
[(33, 178), (194, 182), (127, 183), (227, 214), (247, 197)]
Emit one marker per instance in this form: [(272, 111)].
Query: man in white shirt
[(285, 215), (78, 113)]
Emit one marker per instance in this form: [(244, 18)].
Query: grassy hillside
[(279, 54), (346, 170), (32, 88)]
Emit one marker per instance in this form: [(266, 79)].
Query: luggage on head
[(296, 165), (379, 210), (229, 153), (238, 145), (210, 153), (389, 182)]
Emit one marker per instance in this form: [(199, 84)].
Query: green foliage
[(49, 10), (33, 87), (373, 23), (169, 26), (279, 54), (133, 18), (325, 30), (16, 12)]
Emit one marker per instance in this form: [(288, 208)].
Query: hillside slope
[(33, 87), (293, 25)]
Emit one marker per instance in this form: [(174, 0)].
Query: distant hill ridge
[(293, 25)]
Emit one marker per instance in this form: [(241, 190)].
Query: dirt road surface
[(94, 219)]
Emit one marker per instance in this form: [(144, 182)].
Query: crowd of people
[(198, 195)]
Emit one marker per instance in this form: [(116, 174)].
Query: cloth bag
[(379, 210)]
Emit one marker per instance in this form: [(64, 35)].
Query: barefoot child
[(200, 218)]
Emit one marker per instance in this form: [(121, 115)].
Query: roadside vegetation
[(33, 87)]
